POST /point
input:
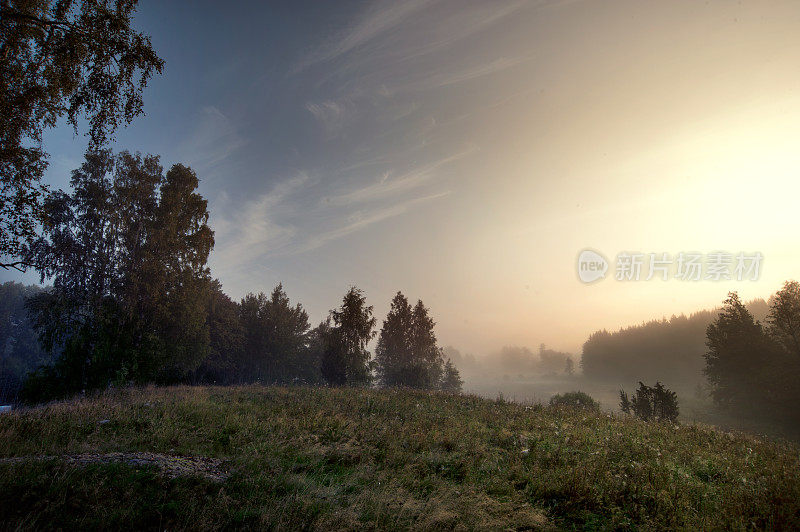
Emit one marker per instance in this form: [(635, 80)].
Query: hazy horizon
[(465, 153)]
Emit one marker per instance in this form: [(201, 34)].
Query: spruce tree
[(407, 353), (451, 379), (345, 359)]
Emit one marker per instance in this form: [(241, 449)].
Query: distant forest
[(513, 362), (670, 350), (746, 356)]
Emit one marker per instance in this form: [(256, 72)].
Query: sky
[(465, 152)]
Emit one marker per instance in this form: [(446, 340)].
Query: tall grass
[(354, 458)]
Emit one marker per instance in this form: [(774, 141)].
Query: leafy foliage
[(451, 379), (276, 339), (126, 253), (656, 403), (575, 400), (784, 317), (753, 368), (79, 59), (226, 340), (407, 353)]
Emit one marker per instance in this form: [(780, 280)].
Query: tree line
[(523, 361), (669, 350), (133, 301)]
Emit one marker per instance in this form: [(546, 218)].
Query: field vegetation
[(334, 458)]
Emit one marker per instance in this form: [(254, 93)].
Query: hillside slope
[(259, 457)]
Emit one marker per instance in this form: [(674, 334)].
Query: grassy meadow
[(328, 459)]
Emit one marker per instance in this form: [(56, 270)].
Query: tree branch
[(4, 13), (19, 265)]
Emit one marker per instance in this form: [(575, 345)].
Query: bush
[(656, 403), (575, 400)]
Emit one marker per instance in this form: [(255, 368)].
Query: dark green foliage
[(407, 354), (426, 362), (334, 360), (734, 341), (451, 379), (345, 359), (90, 357), (126, 253), (226, 340), (784, 317), (79, 59), (753, 369), (575, 400), (316, 344), (393, 356), (624, 402), (656, 403), (276, 340)]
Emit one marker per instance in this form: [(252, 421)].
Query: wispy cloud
[(463, 23), (273, 225), (375, 73), (357, 221), (331, 114), (214, 139), (452, 77), (374, 80), (246, 232), (387, 186), (379, 20), (397, 31)]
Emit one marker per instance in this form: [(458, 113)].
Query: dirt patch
[(172, 466)]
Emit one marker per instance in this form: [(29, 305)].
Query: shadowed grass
[(350, 458)]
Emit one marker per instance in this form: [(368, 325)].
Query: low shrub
[(651, 403), (575, 400)]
